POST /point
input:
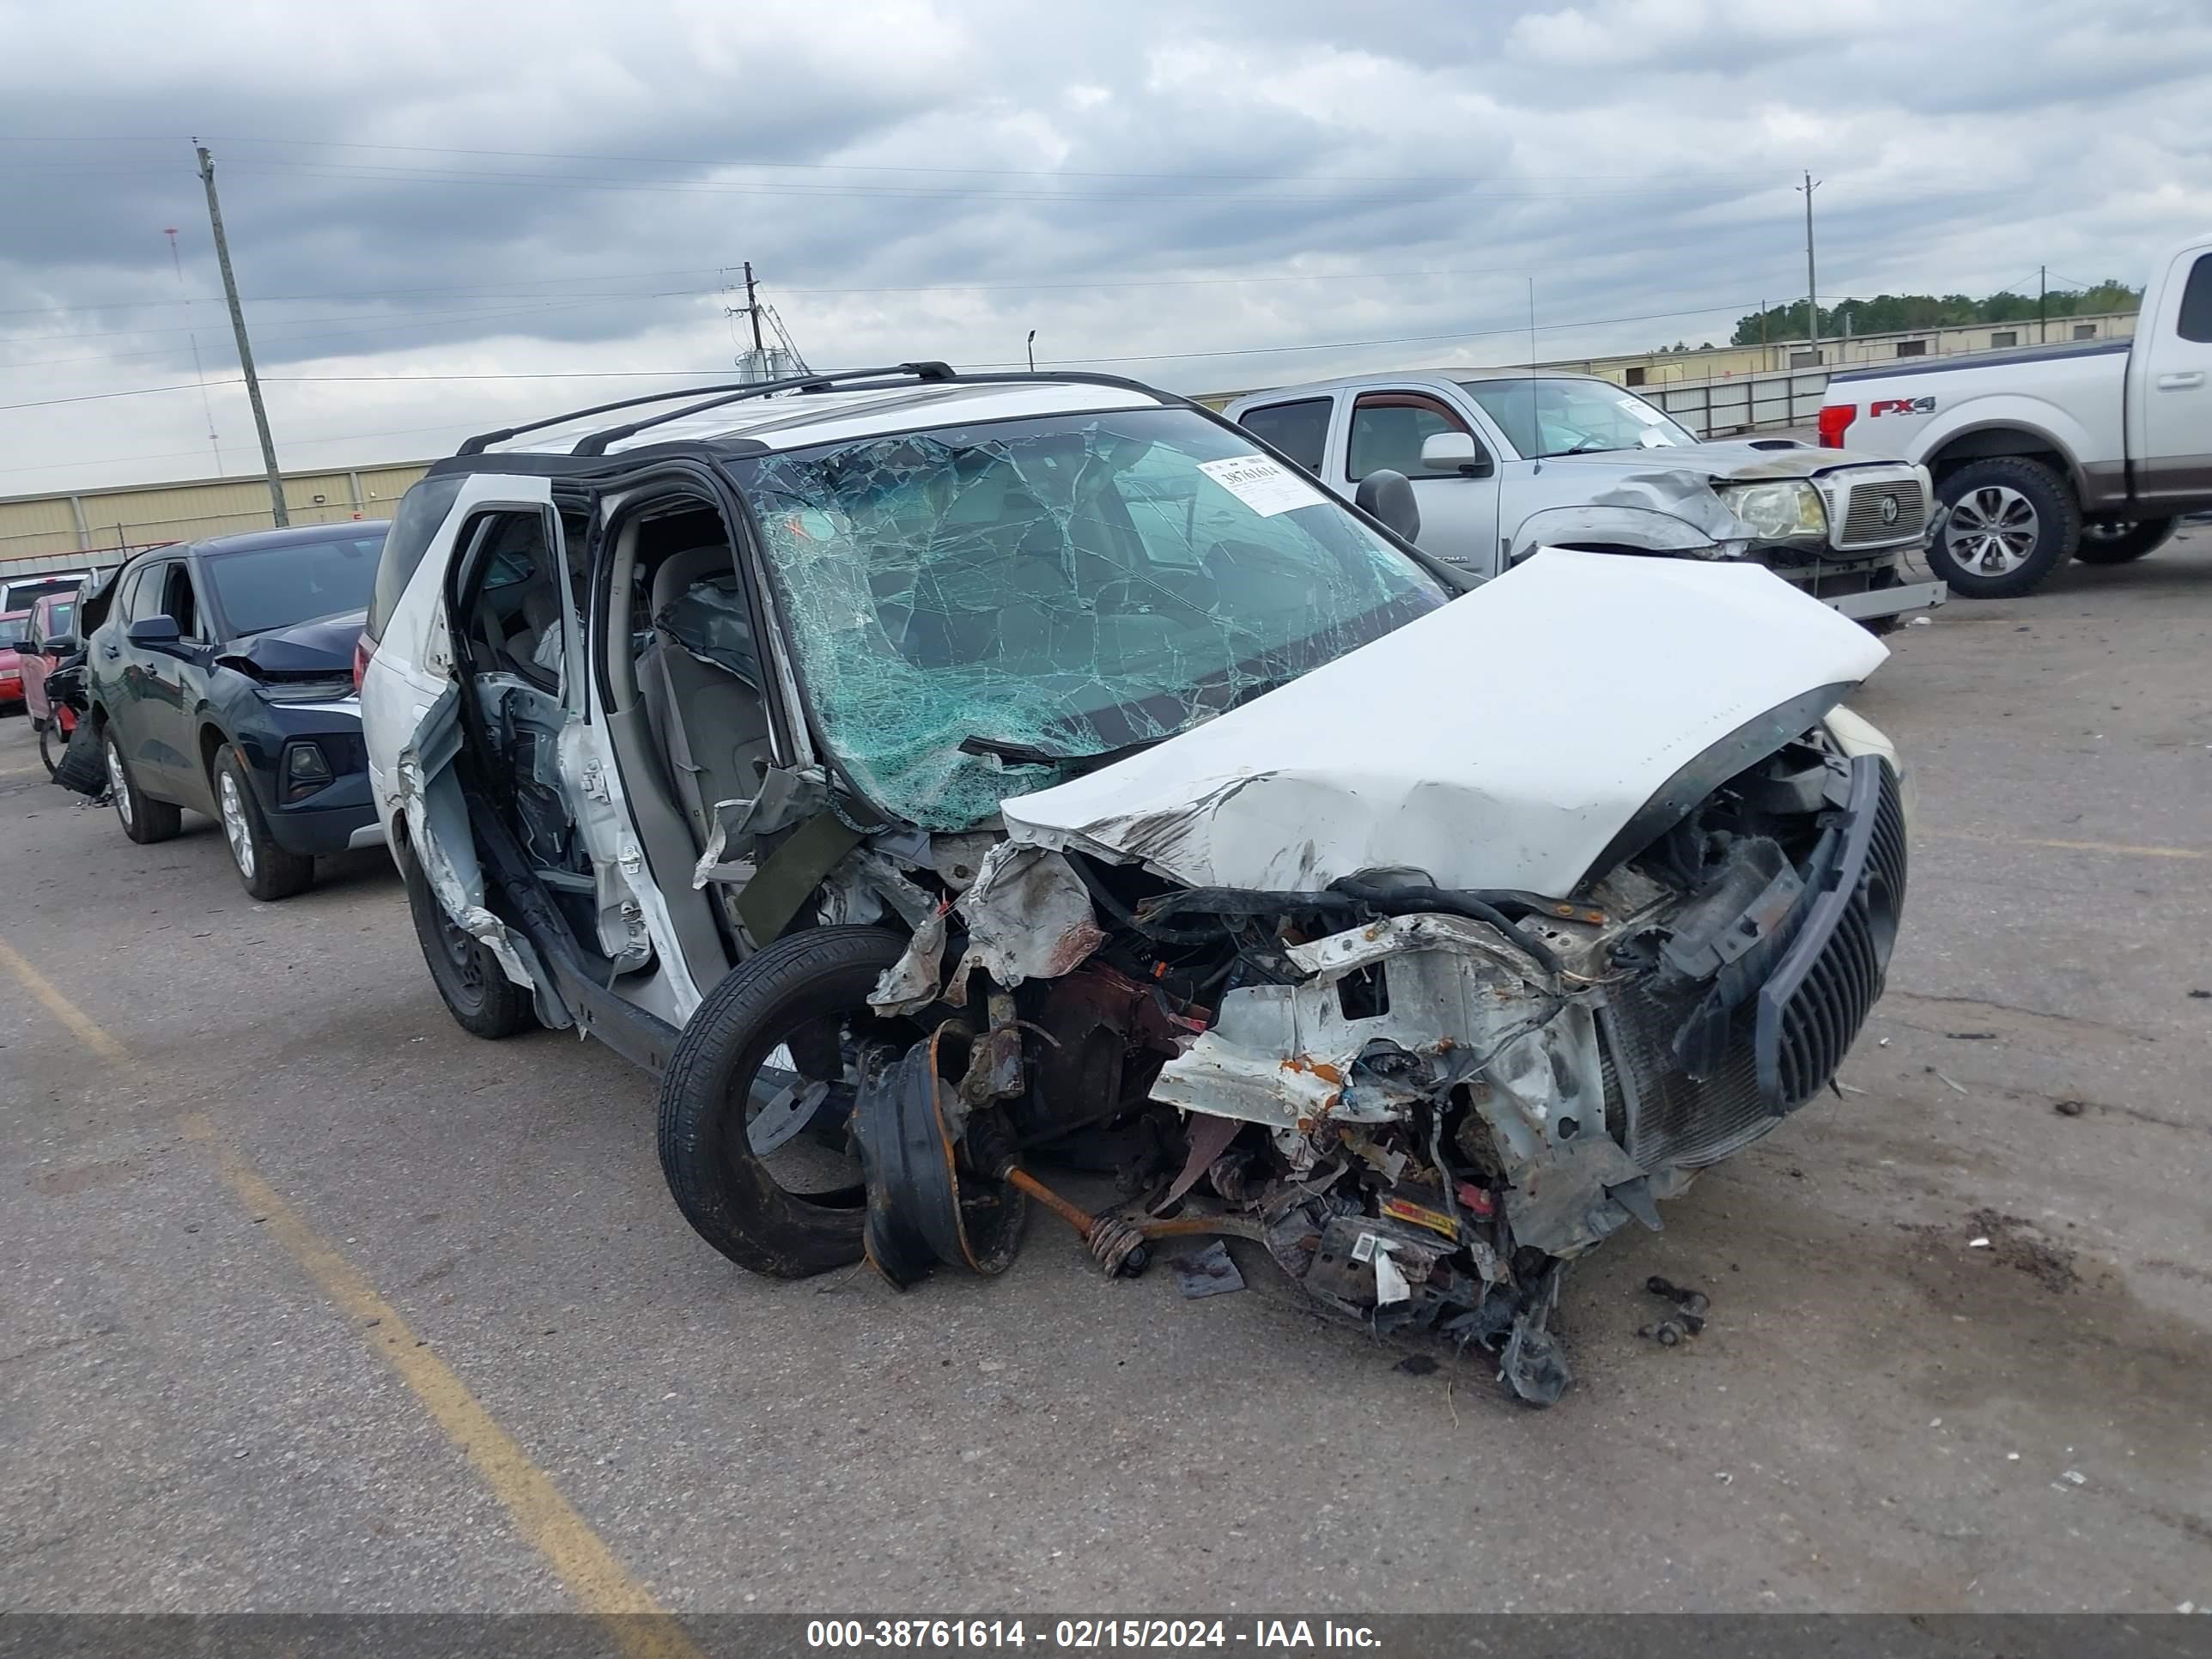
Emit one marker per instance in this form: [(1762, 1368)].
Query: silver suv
[(1505, 461)]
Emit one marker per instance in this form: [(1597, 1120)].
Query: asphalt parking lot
[(316, 1302)]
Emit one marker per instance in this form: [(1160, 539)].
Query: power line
[(874, 166), (697, 187), (557, 302)]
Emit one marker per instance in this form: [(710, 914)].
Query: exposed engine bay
[(1420, 1101)]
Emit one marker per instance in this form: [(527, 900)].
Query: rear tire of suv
[(2012, 522), (475, 990), (725, 1189), (2116, 541), (270, 872), (144, 819)]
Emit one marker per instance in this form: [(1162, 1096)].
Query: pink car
[(53, 616)]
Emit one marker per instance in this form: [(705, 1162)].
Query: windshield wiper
[(1026, 754)]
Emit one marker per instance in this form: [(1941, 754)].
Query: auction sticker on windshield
[(1261, 485)]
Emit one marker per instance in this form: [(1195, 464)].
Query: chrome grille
[(1864, 524)]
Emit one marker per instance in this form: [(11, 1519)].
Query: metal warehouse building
[(51, 532)]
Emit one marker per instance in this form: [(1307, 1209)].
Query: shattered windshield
[(1048, 591), (1542, 418)]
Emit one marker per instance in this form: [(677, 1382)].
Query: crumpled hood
[(1503, 740), (323, 646), (1742, 461)]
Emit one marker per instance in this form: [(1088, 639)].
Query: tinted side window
[(2195, 322), (179, 602), (139, 588), (1300, 430), (421, 510), (1389, 430)]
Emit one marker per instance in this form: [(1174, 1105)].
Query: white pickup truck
[(2050, 452)]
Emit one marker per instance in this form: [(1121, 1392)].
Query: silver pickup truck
[(1503, 461)]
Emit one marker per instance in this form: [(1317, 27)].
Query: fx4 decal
[(1901, 406)]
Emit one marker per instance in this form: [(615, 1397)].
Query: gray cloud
[(532, 191)]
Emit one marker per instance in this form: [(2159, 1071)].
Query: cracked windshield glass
[(982, 612)]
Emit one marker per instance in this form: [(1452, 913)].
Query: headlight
[(1789, 512)]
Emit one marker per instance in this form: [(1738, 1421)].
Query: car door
[(120, 668), (2172, 397), (1386, 428), (174, 687)]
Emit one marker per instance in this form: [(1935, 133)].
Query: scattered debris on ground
[(1971, 1036), (1688, 1319), (2069, 1108), (2018, 1244), (1417, 1364), (1208, 1272)]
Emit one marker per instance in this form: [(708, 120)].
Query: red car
[(15, 632)]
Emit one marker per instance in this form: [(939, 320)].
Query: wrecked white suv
[(931, 777)]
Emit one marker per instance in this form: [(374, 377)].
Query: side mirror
[(152, 631), (60, 645), (1387, 497), (1454, 452)]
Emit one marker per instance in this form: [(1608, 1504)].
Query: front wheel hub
[(926, 1205)]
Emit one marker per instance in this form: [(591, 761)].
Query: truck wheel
[(2012, 521), (795, 1014), (2116, 541)]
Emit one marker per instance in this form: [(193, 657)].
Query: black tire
[(144, 819), (52, 746), (475, 990), (2117, 541), (2009, 512), (270, 872), (725, 1190)]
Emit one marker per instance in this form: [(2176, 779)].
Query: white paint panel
[(1500, 741)]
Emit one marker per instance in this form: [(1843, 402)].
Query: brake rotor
[(925, 1206)]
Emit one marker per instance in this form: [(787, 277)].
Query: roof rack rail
[(597, 442), (484, 441), (737, 391)]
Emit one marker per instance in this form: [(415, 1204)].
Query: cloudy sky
[(437, 211)]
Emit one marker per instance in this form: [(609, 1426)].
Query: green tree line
[(1890, 313)]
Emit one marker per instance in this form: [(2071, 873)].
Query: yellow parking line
[(85, 1029), (2120, 848), (639, 1626)]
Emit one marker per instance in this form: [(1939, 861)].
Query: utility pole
[(2042, 292), (752, 307), (245, 346), (1812, 282), (1032, 350)]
